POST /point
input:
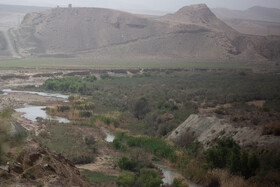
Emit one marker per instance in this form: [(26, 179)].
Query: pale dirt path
[(103, 164), (10, 45)]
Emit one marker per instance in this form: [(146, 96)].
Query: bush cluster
[(71, 84), (227, 153)]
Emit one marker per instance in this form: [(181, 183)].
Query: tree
[(253, 163), (244, 164), (126, 163), (234, 161), (141, 108)]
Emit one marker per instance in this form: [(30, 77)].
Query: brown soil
[(105, 163)]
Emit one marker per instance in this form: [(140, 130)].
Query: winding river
[(169, 174), (32, 112)]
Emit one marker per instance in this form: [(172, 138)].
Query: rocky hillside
[(206, 129), (192, 32), (37, 165)]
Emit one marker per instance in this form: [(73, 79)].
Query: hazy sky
[(163, 5)]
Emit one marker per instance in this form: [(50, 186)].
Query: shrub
[(272, 128), (71, 98), (4, 130), (186, 139), (85, 114), (157, 146), (216, 157), (89, 106), (90, 140), (149, 178), (6, 113), (141, 108), (126, 163), (71, 84), (179, 182), (63, 108), (117, 144), (106, 76), (221, 111), (228, 154), (253, 163), (82, 159), (169, 106), (90, 78), (44, 134), (126, 178)]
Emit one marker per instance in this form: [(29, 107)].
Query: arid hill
[(256, 20), (192, 32)]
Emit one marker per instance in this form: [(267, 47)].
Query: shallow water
[(6, 91), (169, 174), (32, 112), (109, 136)]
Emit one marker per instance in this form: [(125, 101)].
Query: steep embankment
[(192, 32), (37, 165), (206, 129)]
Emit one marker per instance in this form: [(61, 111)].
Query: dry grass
[(272, 128), (227, 180)]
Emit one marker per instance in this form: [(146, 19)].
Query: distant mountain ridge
[(255, 20), (192, 32), (21, 8), (254, 13)]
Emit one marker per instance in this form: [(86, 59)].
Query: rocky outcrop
[(37, 165), (206, 129)]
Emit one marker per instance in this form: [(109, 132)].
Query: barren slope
[(262, 28), (71, 30), (192, 32)]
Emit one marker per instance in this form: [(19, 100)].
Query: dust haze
[(140, 93), (159, 5)]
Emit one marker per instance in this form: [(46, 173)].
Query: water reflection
[(6, 91), (109, 136), (32, 112), (169, 174)]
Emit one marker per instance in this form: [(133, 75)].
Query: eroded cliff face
[(37, 165), (206, 129)]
